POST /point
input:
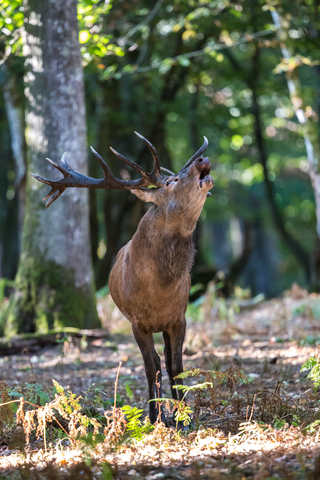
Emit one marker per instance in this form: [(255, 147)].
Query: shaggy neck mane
[(174, 257), (171, 252)]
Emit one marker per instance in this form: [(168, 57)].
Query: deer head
[(181, 197)]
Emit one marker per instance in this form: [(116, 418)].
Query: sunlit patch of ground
[(268, 343)]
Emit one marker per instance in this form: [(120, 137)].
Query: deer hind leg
[(158, 389), (152, 365), (173, 354), (168, 360)]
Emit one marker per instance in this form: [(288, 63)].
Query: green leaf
[(312, 362), (198, 386), (129, 391), (57, 386)]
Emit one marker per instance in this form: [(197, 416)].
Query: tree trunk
[(252, 82), (54, 284), (309, 130), (14, 111), (301, 255)]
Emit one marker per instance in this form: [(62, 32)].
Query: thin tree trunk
[(309, 128), (252, 82), (54, 284), (14, 111), (294, 246)]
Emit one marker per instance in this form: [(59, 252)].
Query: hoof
[(161, 419), (185, 428)]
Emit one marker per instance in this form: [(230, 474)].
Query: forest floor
[(258, 429)]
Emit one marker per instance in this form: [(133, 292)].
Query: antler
[(196, 155), (75, 179)]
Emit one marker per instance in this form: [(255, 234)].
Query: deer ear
[(147, 194)]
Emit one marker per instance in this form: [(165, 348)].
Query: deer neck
[(167, 223), (170, 248)]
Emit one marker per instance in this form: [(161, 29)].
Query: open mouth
[(205, 172), (205, 180), (204, 175)]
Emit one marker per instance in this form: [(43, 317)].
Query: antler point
[(37, 177)]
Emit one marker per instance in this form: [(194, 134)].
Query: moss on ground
[(45, 297)]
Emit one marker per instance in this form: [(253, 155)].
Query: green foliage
[(69, 401), (194, 372), (107, 473), (11, 25), (231, 374), (296, 420), (95, 43), (181, 408), (101, 399), (191, 388), (278, 424), (313, 364), (211, 387), (32, 392), (136, 429), (4, 283), (194, 310), (128, 391), (6, 410), (313, 427), (183, 413)]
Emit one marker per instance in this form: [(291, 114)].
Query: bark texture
[(54, 284)]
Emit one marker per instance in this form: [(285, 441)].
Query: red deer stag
[(150, 280)]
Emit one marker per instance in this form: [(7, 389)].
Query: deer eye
[(168, 183), (176, 179)]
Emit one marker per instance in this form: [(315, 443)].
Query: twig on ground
[(115, 387)]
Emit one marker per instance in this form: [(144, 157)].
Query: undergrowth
[(220, 413), (60, 415), (313, 364)]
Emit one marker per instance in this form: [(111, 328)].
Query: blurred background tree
[(175, 71)]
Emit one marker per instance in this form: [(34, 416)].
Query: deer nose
[(203, 163)]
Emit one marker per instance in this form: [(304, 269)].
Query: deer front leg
[(152, 365)]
